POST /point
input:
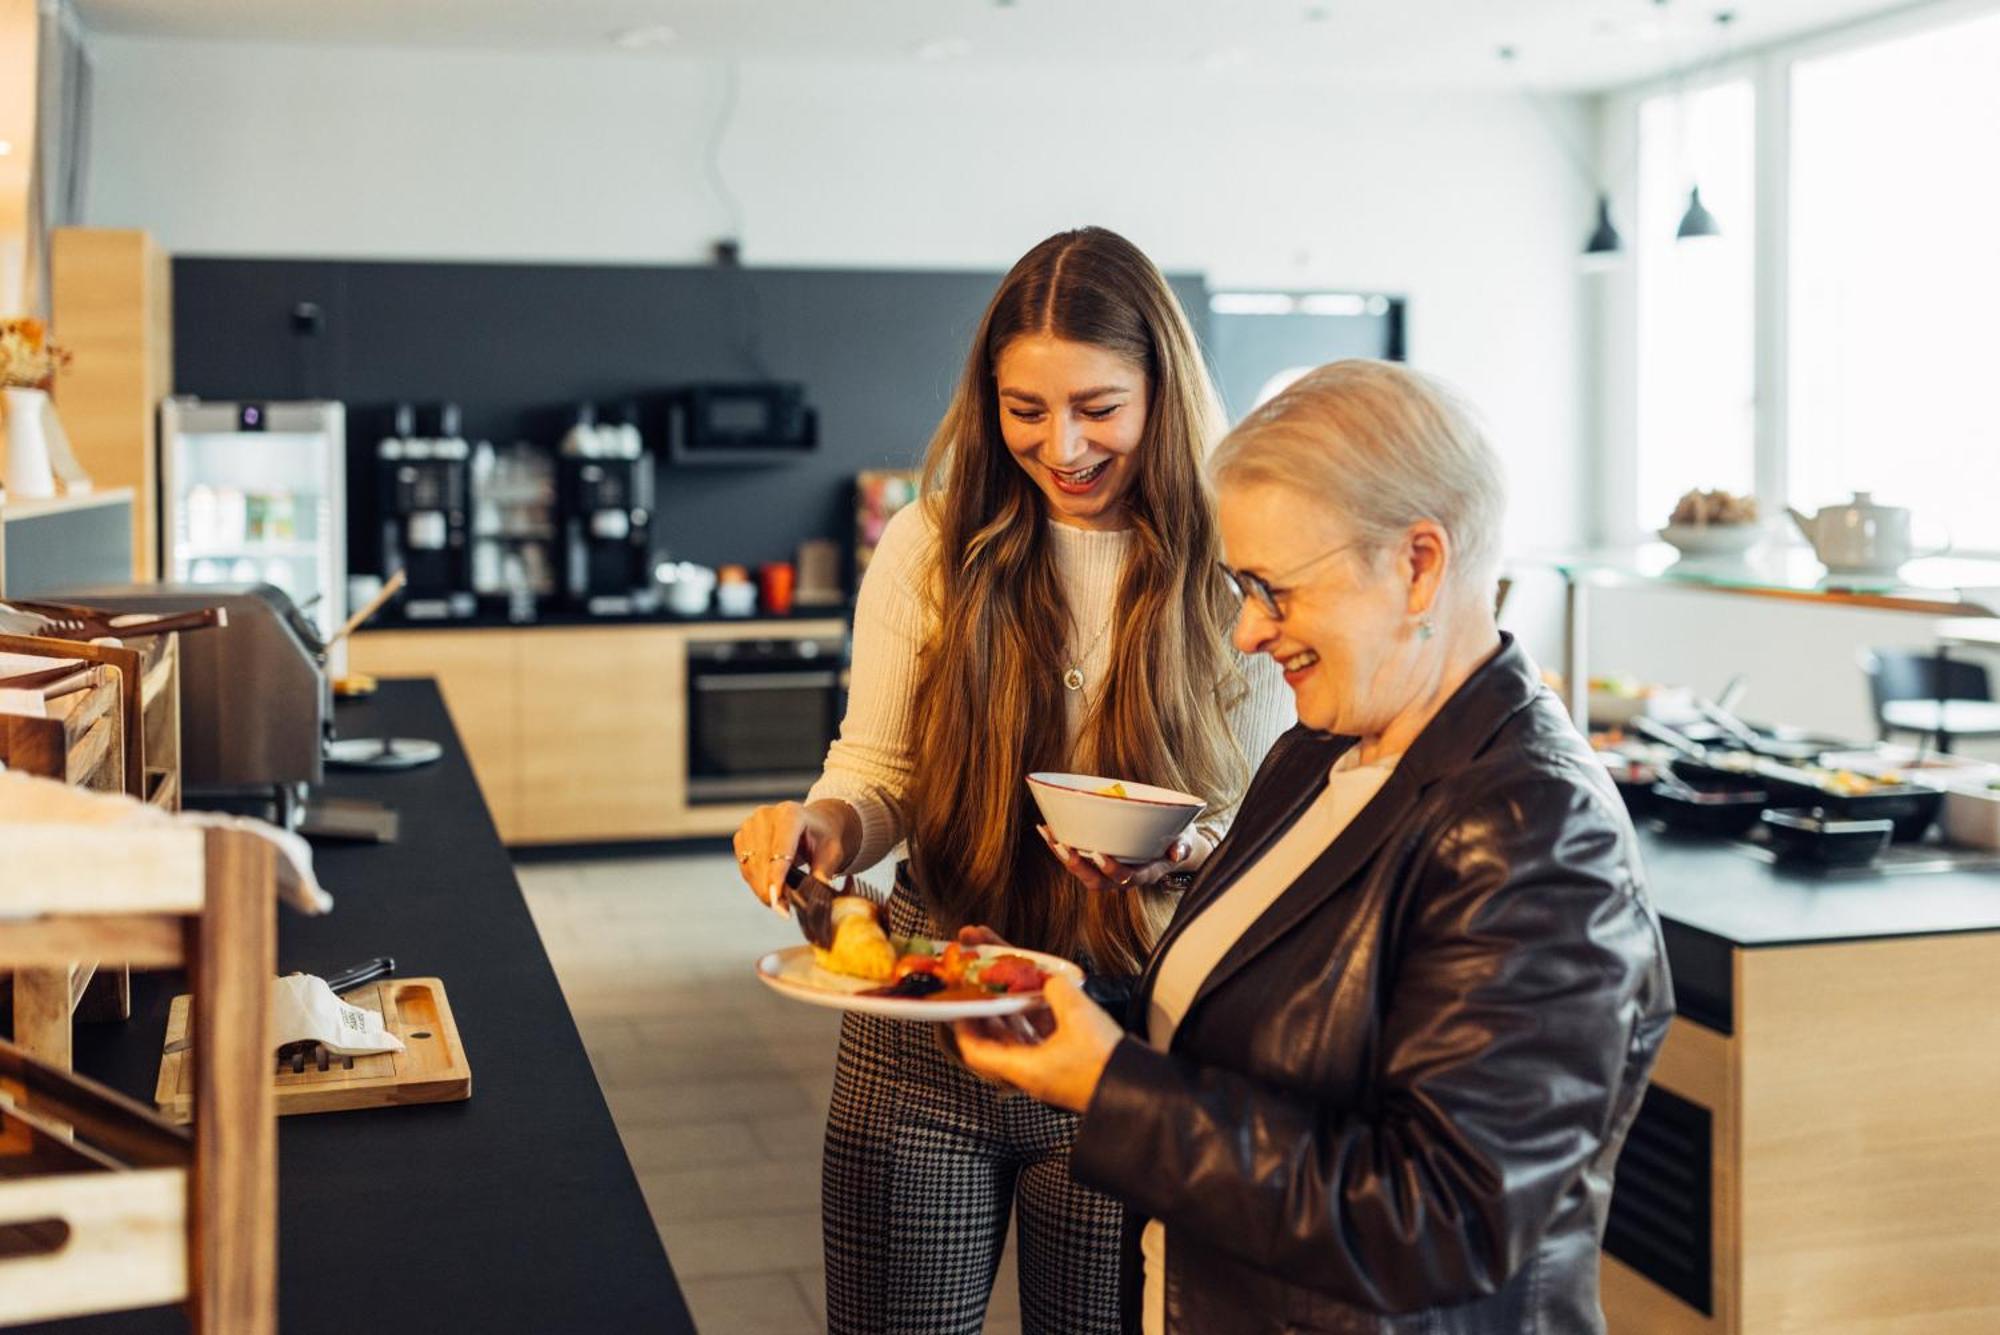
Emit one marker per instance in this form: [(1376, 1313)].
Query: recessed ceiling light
[(943, 48), (647, 38)]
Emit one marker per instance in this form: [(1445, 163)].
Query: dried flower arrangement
[(28, 359)]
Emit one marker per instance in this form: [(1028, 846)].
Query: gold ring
[(743, 857), (779, 857)]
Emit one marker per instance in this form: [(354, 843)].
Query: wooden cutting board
[(431, 1068)]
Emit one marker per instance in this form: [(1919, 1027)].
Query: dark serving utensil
[(812, 904)]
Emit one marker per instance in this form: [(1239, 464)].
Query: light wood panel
[(577, 734), (603, 740), (111, 294), (122, 1249), (1871, 1136), (478, 673)]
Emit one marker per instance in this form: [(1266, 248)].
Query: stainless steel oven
[(761, 714)]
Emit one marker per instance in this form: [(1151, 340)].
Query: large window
[(1696, 350), (1894, 326)]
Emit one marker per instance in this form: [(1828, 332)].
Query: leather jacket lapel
[(1503, 686), (1287, 785)]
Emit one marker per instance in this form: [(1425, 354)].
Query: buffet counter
[(1818, 1151), (514, 1211)]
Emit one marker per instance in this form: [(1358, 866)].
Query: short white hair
[(1382, 447)]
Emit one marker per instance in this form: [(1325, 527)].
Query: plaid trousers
[(924, 1162)]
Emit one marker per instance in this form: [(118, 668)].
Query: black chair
[(1930, 695)]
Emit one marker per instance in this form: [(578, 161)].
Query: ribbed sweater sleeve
[(869, 764)]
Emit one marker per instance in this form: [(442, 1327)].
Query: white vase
[(28, 474)]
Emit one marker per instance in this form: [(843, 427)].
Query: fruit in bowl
[(1133, 822)]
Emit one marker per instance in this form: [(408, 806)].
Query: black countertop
[(1736, 894), (515, 1210)]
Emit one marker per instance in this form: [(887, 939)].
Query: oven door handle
[(763, 681)]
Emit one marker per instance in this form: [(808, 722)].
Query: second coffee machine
[(605, 481), (421, 474)]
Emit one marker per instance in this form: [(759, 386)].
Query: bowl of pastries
[(1712, 524)]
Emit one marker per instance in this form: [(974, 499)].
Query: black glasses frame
[(1248, 586)]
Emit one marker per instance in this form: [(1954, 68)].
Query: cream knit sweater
[(869, 765)]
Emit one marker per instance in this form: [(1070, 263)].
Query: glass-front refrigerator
[(255, 493)]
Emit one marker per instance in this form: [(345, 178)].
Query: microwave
[(743, 423)]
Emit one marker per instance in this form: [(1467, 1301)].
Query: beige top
[(1198, 949), (869, 765)]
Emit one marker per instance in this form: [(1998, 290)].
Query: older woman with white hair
[(1380, 1065)]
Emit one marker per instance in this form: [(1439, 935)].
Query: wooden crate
[(191, 1220), (121, 735)]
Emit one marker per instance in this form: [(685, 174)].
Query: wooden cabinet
[(111, 295), (478, 673), (576, 734), (1852, 1166)]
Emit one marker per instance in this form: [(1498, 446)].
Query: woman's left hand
[(1098, 872), (1058, 1058)]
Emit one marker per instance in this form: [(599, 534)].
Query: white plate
[(791, 971)]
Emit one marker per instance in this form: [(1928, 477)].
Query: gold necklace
[(1074, 677)]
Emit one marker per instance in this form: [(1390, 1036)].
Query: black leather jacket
[(1395, 1104)]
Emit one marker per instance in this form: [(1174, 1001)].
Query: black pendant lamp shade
[(1605, 241), (1697, 221)]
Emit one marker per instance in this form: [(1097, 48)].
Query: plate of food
[(908, 978)]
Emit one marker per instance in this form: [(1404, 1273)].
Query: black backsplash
[(516, 345)]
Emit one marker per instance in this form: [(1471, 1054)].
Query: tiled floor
[(719, 1086)]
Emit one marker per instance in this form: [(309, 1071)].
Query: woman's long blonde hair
[(989, 701)]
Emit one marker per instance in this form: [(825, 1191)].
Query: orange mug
[(775, 579)]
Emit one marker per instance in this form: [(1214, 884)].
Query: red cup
[(775, 580)]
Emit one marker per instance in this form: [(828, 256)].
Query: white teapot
[(1861, 537)]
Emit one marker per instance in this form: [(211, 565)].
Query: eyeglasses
[(1248, 586)]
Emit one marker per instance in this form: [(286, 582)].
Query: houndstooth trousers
[(924, 1161)]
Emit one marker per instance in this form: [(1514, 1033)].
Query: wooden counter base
[(577, 734), (1856, 1148)]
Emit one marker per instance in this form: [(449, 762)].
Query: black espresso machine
[(604, 485), (423, 478)]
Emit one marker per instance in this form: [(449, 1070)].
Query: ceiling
[(1559, 44)]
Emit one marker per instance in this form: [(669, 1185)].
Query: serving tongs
[(812, 904)]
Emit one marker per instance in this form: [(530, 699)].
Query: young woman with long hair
[(1052, 601)]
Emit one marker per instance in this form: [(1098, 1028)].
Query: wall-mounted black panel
[(516, 345)]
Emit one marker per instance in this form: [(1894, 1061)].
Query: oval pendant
[(1073, 678)]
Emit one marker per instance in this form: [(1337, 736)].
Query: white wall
[(1461, 201)]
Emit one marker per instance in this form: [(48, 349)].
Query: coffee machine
[(422, 475), (605, 486)]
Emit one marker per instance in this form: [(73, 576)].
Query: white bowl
[(1712, 539), (1972, 815), (1138, 827)]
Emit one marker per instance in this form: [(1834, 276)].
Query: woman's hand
[(777, 837), (1098, 872), (1061, 1065)]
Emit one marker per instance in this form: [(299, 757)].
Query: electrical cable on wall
[(741, 286)]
